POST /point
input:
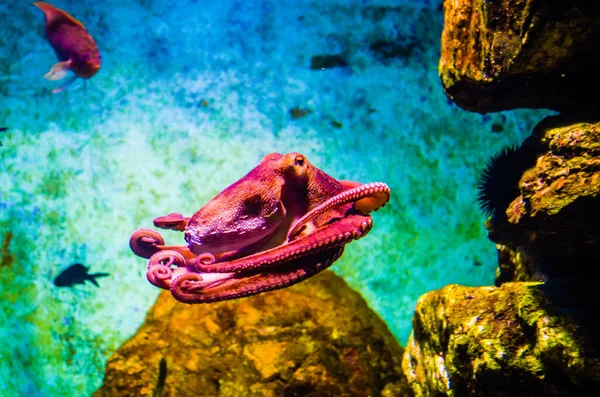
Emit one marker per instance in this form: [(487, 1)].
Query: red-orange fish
[(74, 46)]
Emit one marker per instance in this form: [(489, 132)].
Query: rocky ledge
[(317, 338)]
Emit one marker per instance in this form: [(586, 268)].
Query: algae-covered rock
[(515, 265), (318, 338), (555, 217), (499, 55), (521, 339)]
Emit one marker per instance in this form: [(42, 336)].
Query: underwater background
[(191, 95)]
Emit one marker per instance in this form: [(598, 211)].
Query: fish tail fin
[(64, 86), (93, 281), (92, 278)]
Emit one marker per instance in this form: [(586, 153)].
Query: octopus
[(283, 222)]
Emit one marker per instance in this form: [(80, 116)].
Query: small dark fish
[(322, 62), (162, 376), (74, 46), (76, 274), (299, 112), (2, 129), (336, 124)]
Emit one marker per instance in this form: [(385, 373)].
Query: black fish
[(76, 274), (2, 129), (162, 376)]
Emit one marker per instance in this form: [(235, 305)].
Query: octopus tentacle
[(189, 289), (368, 197), (143, 242), (371, 197), (172, 221), (353, 227), (191, 282), (160, 267), (147, 242), (205, 259), (187, 283)]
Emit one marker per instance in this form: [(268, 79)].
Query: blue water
[(191, 95)]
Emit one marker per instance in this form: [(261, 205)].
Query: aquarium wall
[(190, 96)]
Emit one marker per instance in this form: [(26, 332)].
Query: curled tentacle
[(167, 258), (368, 197), (190, 286), (186, 286), (193, 288), (205, 259), (160, 266), (160, 276), (189, 282), (371, 197), (145, 242)]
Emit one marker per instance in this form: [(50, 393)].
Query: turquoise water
[(191, 95)]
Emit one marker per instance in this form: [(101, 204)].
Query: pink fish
[(74, 46)]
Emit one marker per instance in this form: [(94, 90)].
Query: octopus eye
[(85, 57), (299, 161)]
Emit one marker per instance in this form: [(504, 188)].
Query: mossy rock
[(519, 339), (553, 217), (521, 54), (316, 338)]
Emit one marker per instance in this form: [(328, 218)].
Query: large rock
[(318, 338), (521, 339), (555, 218), (499, 55)]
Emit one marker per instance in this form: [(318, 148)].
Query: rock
[(521, 339), (554, 219), (515, 265), (521, 54), (316, 338)]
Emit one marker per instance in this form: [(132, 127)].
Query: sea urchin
[(499, 182)]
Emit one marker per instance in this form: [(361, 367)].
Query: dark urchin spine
[(499, 182)]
